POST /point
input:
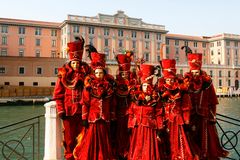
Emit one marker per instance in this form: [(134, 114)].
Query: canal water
[(13, 114)]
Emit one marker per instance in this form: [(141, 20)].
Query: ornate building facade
[(35, 47)]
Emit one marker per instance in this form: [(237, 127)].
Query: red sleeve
[(186, 108), (85, 102), (58, 96), (131, 116), (113, 108), (159, 115), (212, 103)]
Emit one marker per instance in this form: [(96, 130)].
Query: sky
[(187, 17)]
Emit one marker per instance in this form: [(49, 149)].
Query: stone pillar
[(53, 133)]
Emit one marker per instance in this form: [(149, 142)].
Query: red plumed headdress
[(124, 62), (168, 68), (97, 60), (195, 61), (75, 50), (146, 73)]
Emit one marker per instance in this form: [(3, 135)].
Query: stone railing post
[(53, 133)]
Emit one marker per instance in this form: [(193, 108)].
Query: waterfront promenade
[(14, 114)]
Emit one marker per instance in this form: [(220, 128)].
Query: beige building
[(35, 47)]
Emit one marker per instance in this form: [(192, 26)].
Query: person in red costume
[(98, 110), (176, 114), (144, 118), (68, 92), (202, 130), (124, 82)]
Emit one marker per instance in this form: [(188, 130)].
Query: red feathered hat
[(75, 50), (169, 68), (146, 73), (97, 60), (195, 61), (124, 62)]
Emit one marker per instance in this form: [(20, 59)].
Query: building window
[(6, 83), (120, 33), (158, 45), (181, 71), (228, 52), (147, 35), (229, 73), (158, 36), (227, 43), (21, 30), (53, 54), (39, 70), (220, 83), (167, 50), (21, 83), (229, 83), (37, 53), (212, 53), (134, 34), (177, 59), (91, 41), (21, 70), (218, 43), (53, 43), (211, 73), (55, 71), (106, 31), (4, 29), (186, 43), (236, 52), (195, 44), (53, 32), (204, 45), (21, 41), (120, 43), (177, 51), (2, 70), (146, 57), (167, 41), (21, 52), (38, 42), (176, 42), (53, 83), (35, 83), (228, 61), (236, 74), (105, 42), (220, 73), (3, 52), (38, 31), (134, 44), (91, 30), (236, 43), (158, 57), (219, 53), (147, 45), (75, 29), (4, 40)]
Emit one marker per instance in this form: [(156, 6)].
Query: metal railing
[(229, 134), (21, 140)]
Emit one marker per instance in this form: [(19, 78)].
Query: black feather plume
[(187, 49), (90, 48)]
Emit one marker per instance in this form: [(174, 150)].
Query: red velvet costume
[(203, 133), (123, 85), (144, 119), (98, 110), (177, 106), (67, 94)]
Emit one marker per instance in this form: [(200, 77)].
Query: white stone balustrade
[(53, 133)]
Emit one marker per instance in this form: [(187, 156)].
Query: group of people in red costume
[(129, 117)]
